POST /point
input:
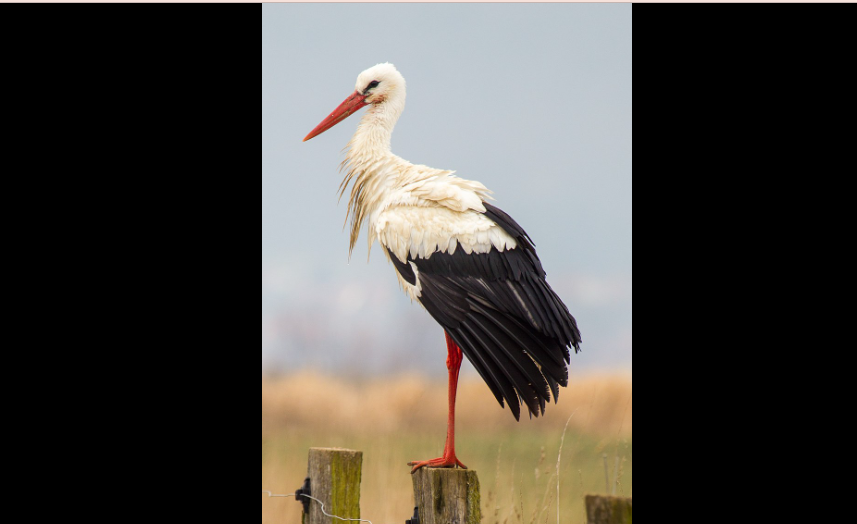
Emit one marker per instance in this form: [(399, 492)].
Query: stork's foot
[(443, 462)]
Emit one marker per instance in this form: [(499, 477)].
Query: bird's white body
[(411, 209)]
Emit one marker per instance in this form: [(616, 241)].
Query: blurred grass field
[(394, 421)]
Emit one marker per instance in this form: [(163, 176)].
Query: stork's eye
[(373, 84)]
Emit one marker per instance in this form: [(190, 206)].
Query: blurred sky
[(533, 100)]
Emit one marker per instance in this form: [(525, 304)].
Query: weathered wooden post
[(448, 496), (609, 510), (335, 476)]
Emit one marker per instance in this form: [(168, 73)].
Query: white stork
[(472, 267)]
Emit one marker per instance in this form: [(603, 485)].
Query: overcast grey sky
[(532, 100)]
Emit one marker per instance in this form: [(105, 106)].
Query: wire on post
[(304, 495), (271, 495)]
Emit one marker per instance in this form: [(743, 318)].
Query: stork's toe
[(443, 462)]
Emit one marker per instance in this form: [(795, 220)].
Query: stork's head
[(379, 85)]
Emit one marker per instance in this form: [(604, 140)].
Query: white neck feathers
[(369, 160)]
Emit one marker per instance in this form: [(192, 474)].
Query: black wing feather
[(500, 310), (534, 346), (519, 367), (497, 376)]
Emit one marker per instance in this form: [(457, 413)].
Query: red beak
[(345, 109)]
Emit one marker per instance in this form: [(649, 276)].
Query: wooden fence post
[(335, 476), (448, 496), (609, 510)]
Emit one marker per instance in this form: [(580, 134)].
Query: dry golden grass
[(396, 420)]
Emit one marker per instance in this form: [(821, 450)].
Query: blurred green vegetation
[(517, 464)]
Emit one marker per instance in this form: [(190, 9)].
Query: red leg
[(448, 460)]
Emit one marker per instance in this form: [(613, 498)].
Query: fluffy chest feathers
[(414, 210), (417, 209), (420, 231), (420, 211), (440, 213)]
